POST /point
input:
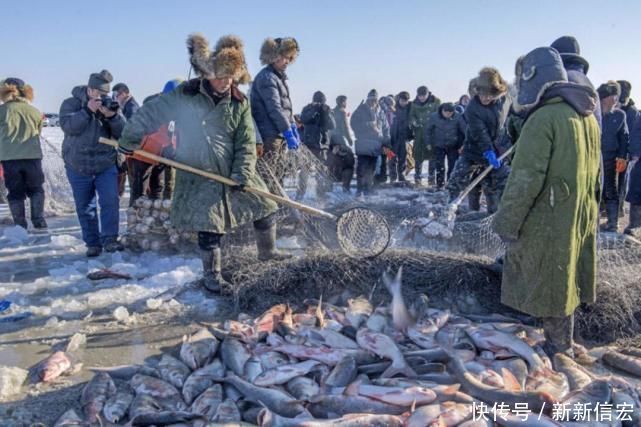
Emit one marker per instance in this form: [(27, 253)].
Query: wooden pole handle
[(226, 181)]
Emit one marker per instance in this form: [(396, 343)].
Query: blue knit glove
[(490, 156), (295, 130), (292, 142)]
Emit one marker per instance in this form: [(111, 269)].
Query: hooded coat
[(551, 196), (215, 137), (371, 130), (81, 150)]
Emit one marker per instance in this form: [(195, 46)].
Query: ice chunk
[(154, 303), (121, 314), (11, 379), (16, 234), (65, 241), (53, 322), (77, 340)]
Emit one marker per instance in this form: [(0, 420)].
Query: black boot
[(212, 265), (492, 201), (266, 245), (37, 211), (18, 213), (634, 227), (612, 211), (559, 335)]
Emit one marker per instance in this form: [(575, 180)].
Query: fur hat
[(273, 48), (14, 88), (570, 51), (489, 82), (610, 88), (535, 73), (626, 90), (100, 81), (226, 60)]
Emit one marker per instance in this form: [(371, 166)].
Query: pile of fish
[(356, 365), (149, 226)]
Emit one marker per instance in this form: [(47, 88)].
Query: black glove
[(238, 187)]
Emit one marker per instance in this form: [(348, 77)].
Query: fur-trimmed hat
[(626, 90), (281, 46), (489, 82), (13, 88), (610, 88), (226, 60), (535, 73)]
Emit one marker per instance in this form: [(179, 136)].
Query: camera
[(109, 103)]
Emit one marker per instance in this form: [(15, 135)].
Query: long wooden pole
[(224, 180)]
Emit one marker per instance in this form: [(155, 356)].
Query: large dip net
[(453, 266)]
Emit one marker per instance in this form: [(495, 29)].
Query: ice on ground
[(16, 235), (11, 379), (291, 243), (65, 241), (121, 314)]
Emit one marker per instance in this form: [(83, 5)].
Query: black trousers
[(610, 183), (208, 240), (398, 163), (145, 178), (365, 170), (441, 154), (23, 178), (341, 166)]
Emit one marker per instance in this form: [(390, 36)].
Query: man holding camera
[(91, 167)]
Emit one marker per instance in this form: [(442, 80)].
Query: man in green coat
[(20, 152), (420, 111), (215, 133), (549, 212)]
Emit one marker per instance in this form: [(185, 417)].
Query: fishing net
[(58, 195)]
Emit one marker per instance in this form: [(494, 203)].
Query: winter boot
[(113, 245), (93, 251), (37, 211), (559, 333), (612, 211), (266, 245), (492, 201), (212, 265), (18, 213), (634, 227)]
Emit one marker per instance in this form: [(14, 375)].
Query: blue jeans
[(85, 189)]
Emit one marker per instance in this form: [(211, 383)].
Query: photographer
[(317, 121), (91, 167)]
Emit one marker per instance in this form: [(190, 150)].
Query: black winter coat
[(270, 103), (318, 121), (485, 123), (81, 150), (445, 133), (401, 131), (632, 115), (130, 108), (615, 137)]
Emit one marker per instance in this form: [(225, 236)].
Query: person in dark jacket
[(372, 139), (128, 107), (423, 106), (615, 139), (20, 152), (445, 131), (462, 103), (401, 134), (318, 122), (634, 193), (576, 66), (271, 104), (90, 165), (627, 104), (340, 157), (485, 117)]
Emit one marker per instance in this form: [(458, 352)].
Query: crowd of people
[(573, 145)]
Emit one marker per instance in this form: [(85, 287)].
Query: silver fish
[(52, 367), (493, 340), (332, 406), (277, 401), (447, 413), (328, 337), (384, 347), (284, 373), (269, 419), (253, 368), (202, 379), (377, 322), (95, 394), (69, 418), (207, 403), (227, 412), (163, 418), (577, 377), (198, 349), (126, 372), (154, 387), (400, 316), (629, 364), (401, 396), (143, 404), (116, 406), (173, 370), (597, 391), (358, 311), (234, 354), (272, 359), (343, 373), (302, 388)]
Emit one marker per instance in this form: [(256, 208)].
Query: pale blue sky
[(348, 47)]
